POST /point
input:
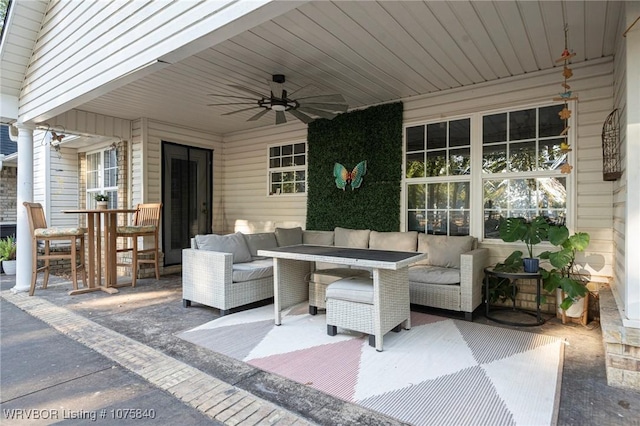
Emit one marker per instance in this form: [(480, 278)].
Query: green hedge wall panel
[(374, 135)]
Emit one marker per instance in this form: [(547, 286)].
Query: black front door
[(186, 195)]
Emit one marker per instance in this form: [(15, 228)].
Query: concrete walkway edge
[(214, 398)]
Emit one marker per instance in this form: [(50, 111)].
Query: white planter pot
[(9, 267), (579, 309), (102, 205)]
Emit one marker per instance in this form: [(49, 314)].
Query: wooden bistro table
[(291, 265), (96, 251)]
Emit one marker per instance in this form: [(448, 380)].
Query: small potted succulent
[(101, 201), (8, 255)]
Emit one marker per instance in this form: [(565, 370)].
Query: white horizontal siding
[(63, 187), (89, 123), (88, 48), (248, 208)]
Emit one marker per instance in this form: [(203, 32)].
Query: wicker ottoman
[(350, 306)]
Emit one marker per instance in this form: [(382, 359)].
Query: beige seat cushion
[(135, 229), (58, 232), (250, 271), (428, 274), (327, 276), (352, 289)]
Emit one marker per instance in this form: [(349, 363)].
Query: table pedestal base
[(109, 290)]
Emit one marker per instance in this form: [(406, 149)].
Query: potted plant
[(530, 232), (563, 277), (101, 200), (8, 255)]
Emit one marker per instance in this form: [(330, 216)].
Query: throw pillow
[(231, 243), (288, 236), (353, 238)]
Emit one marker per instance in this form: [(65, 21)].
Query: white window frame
[(478, 177), (285, 169), (570, 181), (101, 189), (436, 179)]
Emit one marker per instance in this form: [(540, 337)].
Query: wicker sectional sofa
[(224, 271)]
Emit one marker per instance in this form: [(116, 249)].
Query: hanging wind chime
[(565, 96)]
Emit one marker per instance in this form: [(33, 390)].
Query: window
[(288, 169), (521, 158), (438, 168), (102, 176), (517, 157)]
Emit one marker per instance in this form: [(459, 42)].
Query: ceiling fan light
[(278, 107)]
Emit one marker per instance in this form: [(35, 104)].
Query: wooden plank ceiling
[(370, 52)]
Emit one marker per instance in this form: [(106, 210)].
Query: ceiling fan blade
[(234, 103), (246, 89), (258, 115), (240, 110), (308, 90), (335, 98), (230, 96), (276, 89), (300, 116), (327, 106), (280, 118), (318, 112)]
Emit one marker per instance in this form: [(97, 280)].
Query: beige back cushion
[(353, 238), (231, 243), (317, 238), (443, 250), (394, 241), (260, 241), (288, 236)]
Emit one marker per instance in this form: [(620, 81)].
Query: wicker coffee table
[(390, 279)]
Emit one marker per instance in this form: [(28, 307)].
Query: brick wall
[(8, 194), (621, 345)]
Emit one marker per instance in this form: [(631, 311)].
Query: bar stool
[(40, 231), (146, 223)]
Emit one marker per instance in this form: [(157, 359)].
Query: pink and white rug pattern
[(441, 372)]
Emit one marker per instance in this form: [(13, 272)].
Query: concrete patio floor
[(152, 314)]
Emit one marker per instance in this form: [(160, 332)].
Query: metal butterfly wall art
[(353, 178)]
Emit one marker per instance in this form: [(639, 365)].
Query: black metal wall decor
[(611, 169)]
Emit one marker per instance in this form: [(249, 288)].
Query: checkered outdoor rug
[(441, 372)]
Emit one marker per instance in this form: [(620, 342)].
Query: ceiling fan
[(306, 105)]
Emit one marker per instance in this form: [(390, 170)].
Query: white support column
[(25, 193), (632, 216)]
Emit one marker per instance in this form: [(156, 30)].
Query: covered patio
[(174, 103), (152, 315)]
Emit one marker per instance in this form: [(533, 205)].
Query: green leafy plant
[(101, 197), (563, 273), (501, 288), (8, 248), (519, 229)]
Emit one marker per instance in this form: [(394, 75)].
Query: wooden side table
[(513, 277)]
